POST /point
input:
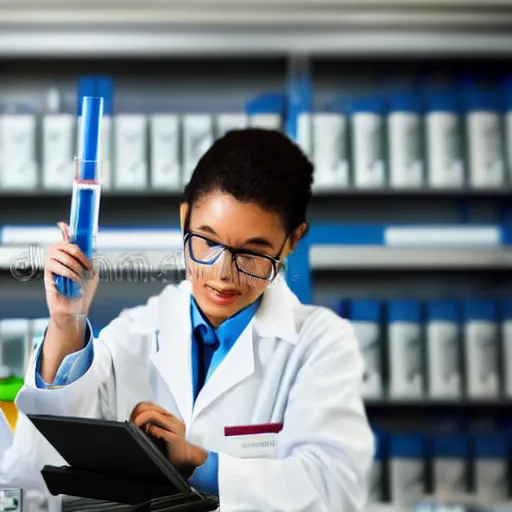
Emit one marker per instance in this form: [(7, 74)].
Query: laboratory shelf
[(47, 193), (326, 247), (403, 235), (322, 258), (343, 257), (341, 247), (24, 262), (250, 28), (413, 405), (467, 414), (502, 192), (145, 252), (280, 42), (409, 247), (108, 237), (392, 193)]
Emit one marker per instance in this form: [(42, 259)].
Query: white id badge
[(253, 441)]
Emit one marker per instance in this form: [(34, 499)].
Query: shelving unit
[(181, 56), (253, 28), (409, 406), (341, 193), (150, 43), (340, 257), (335, 247), (185, 57), (171, 54)]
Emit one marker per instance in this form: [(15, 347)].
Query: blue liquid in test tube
[(83, 225)]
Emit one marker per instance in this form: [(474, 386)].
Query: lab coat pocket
[(253, 441)]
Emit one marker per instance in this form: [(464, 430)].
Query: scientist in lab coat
[(228, 348)]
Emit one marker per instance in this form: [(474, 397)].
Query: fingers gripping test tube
[(85, 201)]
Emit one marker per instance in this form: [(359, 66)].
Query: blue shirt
[(209, 347)]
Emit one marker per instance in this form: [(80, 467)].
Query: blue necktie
[(207, 344)]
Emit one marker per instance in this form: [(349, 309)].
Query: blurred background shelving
[(365, 244)]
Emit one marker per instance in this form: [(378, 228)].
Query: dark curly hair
[(258, 166)]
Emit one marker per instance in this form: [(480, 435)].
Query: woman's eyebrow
[(259, 241), (262, 242), (208, 229)]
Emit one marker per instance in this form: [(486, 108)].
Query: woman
[(229, 347)]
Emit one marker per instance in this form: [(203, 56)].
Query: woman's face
[(220, 289)]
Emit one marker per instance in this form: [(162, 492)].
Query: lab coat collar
[(173, 359), (273, 319), (226, 335)]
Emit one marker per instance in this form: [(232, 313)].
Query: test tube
[(85, 201)]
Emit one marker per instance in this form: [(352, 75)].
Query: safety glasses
[(205, 251)]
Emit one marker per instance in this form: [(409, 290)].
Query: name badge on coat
[(253, 441)]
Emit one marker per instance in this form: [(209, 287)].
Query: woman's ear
[(298, 234), (184, 207)]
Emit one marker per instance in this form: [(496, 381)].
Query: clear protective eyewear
[(204, 251)]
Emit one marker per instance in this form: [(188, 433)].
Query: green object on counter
[(9, 388)]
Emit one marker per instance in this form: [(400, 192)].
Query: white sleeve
[(92, 395), (326, 445)]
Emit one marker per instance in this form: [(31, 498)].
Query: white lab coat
[(293, 364)]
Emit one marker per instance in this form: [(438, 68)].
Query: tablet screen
[(100, 446)]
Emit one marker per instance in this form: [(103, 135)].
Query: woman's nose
[(227, 267)]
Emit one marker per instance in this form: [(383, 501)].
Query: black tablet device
[(114, 461)]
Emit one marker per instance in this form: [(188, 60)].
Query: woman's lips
[(221, 297)]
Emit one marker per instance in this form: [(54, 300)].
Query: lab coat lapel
[(273, 319), (234, 368), (173, 357)]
